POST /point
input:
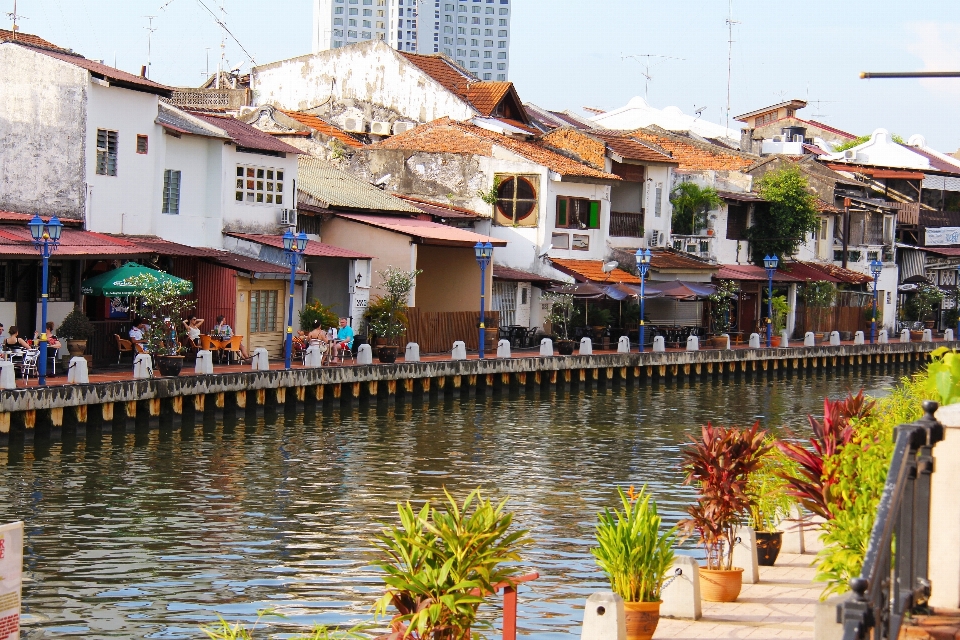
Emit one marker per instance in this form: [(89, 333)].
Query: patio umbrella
[(679, 290), (578, 290), (621, 291), (117, 282)]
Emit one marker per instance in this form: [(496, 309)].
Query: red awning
[(749, 272)]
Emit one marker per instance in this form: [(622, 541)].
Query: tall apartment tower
[(475, 33)]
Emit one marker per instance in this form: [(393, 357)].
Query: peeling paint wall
[(42, 133)]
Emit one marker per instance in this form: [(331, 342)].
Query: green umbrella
[(117, 282)]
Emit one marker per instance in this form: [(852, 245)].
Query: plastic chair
[(123, 346), (29, 363), (233, 347), (53, 355)]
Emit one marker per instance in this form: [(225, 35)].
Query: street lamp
[(46, 239), (643, 265), (875, 268), (484, 251), (293, 247), (770, 264)]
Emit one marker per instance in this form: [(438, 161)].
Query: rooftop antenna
[(150, 29), (15, 16), (730, 23), (647, 63), (206, 74)]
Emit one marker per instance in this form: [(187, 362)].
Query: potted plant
[(635, 555), (314, 312), (76, 329), (925, 300), (780, 311), (561, 317), (770, 503), (162, 303), (719, 464), (387, 318), (721, 311), (442, 563), (818, 296)]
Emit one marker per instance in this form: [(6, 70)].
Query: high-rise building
[(475, 33)]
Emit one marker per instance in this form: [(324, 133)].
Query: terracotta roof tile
[(26, 38), (632, 149), (485, 96), (245, 135), (114, 75), (447, 73), (693, 154), (843, 275), (670, 259), (516, 275), (592, 271), (324, 127), (448, 136)]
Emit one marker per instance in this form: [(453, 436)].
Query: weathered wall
[(450, 280), (199, 160), (392, 249), (42, 133), (244, 217)]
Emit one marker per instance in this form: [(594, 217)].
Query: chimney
[(143, 71)]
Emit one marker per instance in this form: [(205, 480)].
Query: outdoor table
[(215, 344)]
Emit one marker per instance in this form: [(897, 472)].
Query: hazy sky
[(572, 53)]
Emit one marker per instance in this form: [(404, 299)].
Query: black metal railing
[(892, 585), (626, 225)]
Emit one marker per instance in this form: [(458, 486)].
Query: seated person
[(317, 332), (52, 342), (192, 325), (137, 333), (222, 331), (13, 341), (344, 339)]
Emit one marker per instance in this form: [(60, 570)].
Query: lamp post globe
[(875, 268), (484, 254), (46, 239), (643, 266), (770, 264)]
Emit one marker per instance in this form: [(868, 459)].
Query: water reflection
[(138, 534)]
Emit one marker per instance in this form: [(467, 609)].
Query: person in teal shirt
[(344, 340)]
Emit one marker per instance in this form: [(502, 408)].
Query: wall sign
[(942, 235), (11, 577)]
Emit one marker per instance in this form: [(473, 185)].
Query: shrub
[(316, 310), (768, 490), (793, 214), (691, 202), (76, 326)]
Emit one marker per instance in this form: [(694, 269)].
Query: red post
[(510, 613)]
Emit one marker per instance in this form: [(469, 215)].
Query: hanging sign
[(942, 235), (11, 575)]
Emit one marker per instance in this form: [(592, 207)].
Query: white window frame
[(257, 188), (171, 192)]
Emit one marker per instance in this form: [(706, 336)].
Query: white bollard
[(834, 338), (809, 339), (944, 546), (727, 336), (364, 354), (659, 346), (503, 349), (204, 363), (858, 337), (142, 366), (681, 596), (260, 361), (77, 372), (459, 351), (623, 344), (927, 335), (412, 352), (784, 338), (745, 554), (905, 335), (883, 337), (792, 528), (693, 343), (604, 618), (8, 375), (313, 357), (586, 347), (546, 347), (754, 340), (948, 335)]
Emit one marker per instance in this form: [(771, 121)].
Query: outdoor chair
[(530, 337), (124, 346), (233, 348), (29, 363), (53, 355)]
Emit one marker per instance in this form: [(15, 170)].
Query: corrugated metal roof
[(167, 248), (15, 240), (314, 249), (516, 275), (425, 231), (670, 259), (245, 135), (438, 209), (325, 182), (173, 118), (751, 273)]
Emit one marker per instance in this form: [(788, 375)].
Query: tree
[(792, 215), (690, 206)]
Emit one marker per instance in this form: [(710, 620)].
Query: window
[(488, 32), (474, 32), (474, 42), (474, 64), (488, 43), (577, 213), (59, 277), (502, 45), (503, 11), (338, 21), (462, 19), (368, 12), (487, 76), (141, 144), (736, 222), (488, 54), (338, 10), (490, 10), (475, 21), (448, 18), (263, 311), (354, 12), (501, 66), (560, 240), (259, 185), (502, 33), (171, 192), (501, 76), (517, 201), (106, 152), (502, 55), (476, 9), (659, 201)]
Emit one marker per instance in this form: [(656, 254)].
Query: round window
[(516, 199)]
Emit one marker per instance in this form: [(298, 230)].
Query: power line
[(647, 64)]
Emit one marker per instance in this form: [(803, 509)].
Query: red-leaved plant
[(719, 464), (811, 485)]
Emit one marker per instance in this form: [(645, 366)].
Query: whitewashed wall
[(253, 217)]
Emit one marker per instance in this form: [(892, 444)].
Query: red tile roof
[(485, 96), (802, 271), (449, 136), (314, 249), (115, 76), (26, 38), (751, 273), (843, 275), (318, 124), (670, 259), (516, 275), (592, 271), (826, 127), (633, 149), (438, 209), (451, 76), (15, 240), (245, 135), (427, 232), (252, 265)]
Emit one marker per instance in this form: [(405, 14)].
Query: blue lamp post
[(293, 247), (643, 265), (770, 264), (484, 251), (875, 268), (46, 239)]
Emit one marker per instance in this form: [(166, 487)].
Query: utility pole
[(730, 23), (15, 16), (150, 29)]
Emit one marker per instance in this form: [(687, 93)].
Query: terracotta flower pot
[(76, 347), (642, 619), (720, 586), (565, 347), (388, 354), (768, 547), (774, 341)]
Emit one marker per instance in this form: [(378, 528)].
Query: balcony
[(699, 246), (626, 225)]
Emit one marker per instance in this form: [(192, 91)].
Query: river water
[(151, 535)]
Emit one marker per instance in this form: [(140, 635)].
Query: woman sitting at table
[(222, 331), (52, 342), (13, 341), (317, 332), (192, 325)]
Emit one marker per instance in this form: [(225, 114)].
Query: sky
[(568, 54)]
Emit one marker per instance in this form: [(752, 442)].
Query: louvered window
[(263, 311), (259, 185), (171, 192), (106, 152)]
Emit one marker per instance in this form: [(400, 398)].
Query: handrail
[(881, 598), (509, 587)]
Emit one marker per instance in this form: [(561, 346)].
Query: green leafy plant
[(691, 202), (793, 214), (780, 311), (923, 302), (859, 140), (386, 315), (441, 563), (562, 314), (631, 548), (76, 326), (223, 630), (162, 303), (819, 296), (721, 305), (315, 311), (600, 317), (719, 464), (493, 194), (768, 490)]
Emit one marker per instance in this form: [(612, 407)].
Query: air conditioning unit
[(288, 217), (850, 154), (380, 128), (778, 138), (402, 127), (355, 125), (656, 238)]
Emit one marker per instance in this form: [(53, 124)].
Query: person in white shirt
[(136, 332), (192, 325)]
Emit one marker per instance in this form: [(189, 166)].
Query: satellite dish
[(610, 266)]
